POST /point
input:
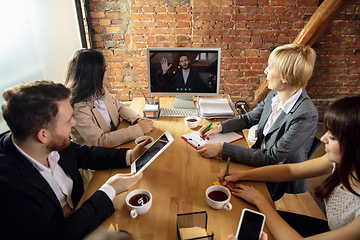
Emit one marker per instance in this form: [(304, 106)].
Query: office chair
[(315, 145)]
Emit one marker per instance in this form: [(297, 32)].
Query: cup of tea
[(218, 197), (192, 121), (138, 202), (142, 139)]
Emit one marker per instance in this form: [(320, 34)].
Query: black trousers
[(306, 226)]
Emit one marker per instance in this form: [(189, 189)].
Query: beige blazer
[(91, 129)]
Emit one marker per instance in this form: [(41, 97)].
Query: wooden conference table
[(177, 180)]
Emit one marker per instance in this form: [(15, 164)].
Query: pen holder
[(152, 107), (193, 226)]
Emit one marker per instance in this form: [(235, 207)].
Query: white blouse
[(342, 207)]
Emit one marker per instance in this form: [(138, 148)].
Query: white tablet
[(145, 159)]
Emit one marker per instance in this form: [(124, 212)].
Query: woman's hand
[(232, 177), (249, 194), (210, 150), (264, 236), (213, 130), (145, 124)]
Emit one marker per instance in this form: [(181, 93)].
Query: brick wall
[(245, 30)]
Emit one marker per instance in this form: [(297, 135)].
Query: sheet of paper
[(194, 232), (217, 138), (215, 107), (151, 107)]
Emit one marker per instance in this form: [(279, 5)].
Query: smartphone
[(251, 225)]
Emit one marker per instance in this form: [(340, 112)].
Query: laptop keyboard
[(178, 112)]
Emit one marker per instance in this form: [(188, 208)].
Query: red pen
[(145, 96)]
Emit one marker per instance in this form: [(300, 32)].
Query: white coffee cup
[(218, 204), (141, 209), (143, 138), (252, 136), (194, 121)]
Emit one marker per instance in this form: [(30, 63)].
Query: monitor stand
[(184, 102)]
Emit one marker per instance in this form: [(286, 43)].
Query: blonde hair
[(294, 63)]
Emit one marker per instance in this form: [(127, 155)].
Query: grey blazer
[(288, 141)]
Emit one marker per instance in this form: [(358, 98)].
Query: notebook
[(195, 140)]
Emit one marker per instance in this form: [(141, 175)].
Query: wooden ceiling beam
[(314, 28)]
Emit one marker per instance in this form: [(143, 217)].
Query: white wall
[(38, 38)]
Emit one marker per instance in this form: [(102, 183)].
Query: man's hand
[(145, 124), (139, 149), (123, 182), (164, 65)]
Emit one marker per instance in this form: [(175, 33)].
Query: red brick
[(282, 2), (181, 17), (161, 24), (307, 2), (104, 22), (136, 9), (216, 10), (183, 24), (147, 2), (157, 17), (213, 2), (119, 52), (142, 31), (98, 29), (143, 17), (243, 17), (262, 25), (268, 18), (182, 10), (97, 15), (201, 9), (116, 21), (150, 24), (112, 14), (250, 10), (268, 10), (246, 2), (98, 45), (161, 9), (148, 9)]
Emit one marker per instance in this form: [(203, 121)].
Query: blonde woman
[(287, 119)]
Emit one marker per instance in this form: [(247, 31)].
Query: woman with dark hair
[(340, 191), (97, 113)]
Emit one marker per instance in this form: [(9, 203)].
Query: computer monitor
[(168, 66)]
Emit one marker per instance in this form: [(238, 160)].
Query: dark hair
[(343, 121), (182, 56), (85, 75), (30, 107)]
